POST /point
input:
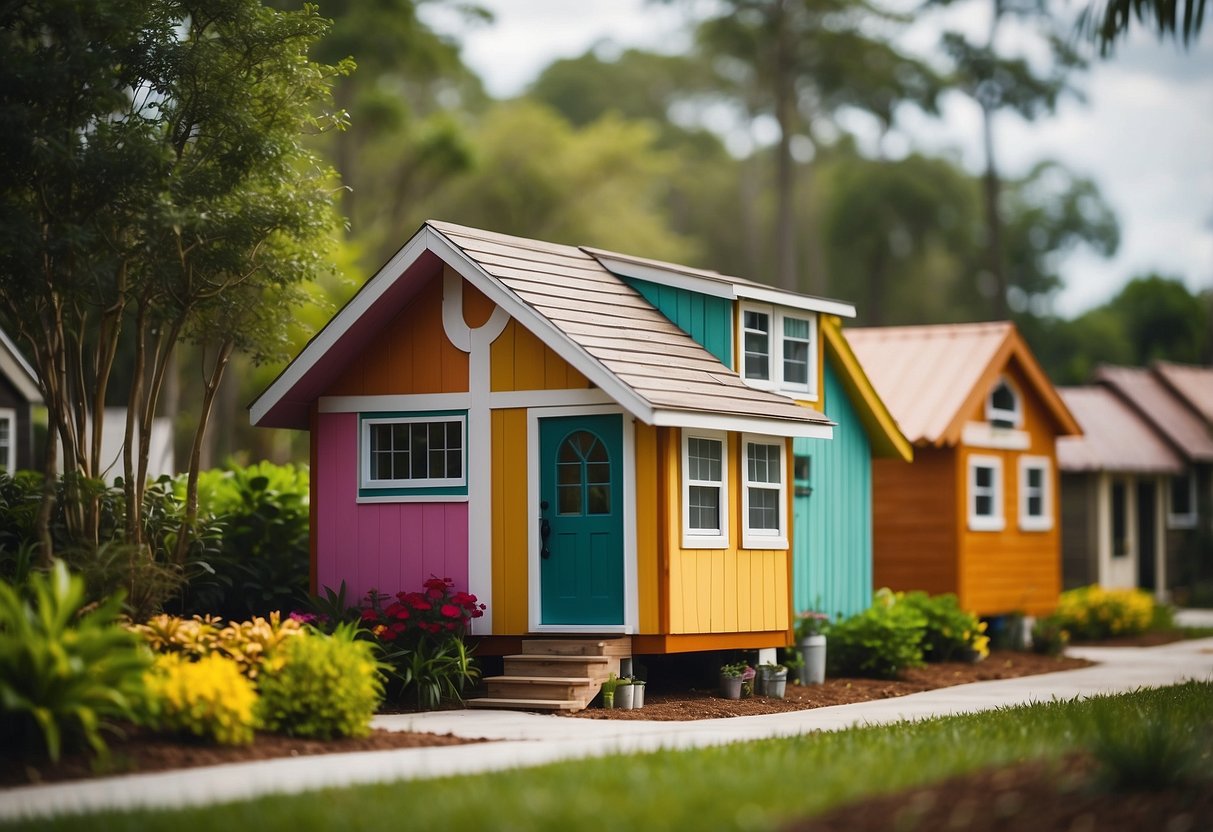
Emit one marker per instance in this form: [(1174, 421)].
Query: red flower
[(452, 626), (397, 627), (478, 613), (369, 615), (450, 611), (402, 613), (421, 604)]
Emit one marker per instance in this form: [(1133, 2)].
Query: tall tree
[(999, 82), (153, 178), (1107, 21), (800, 61)]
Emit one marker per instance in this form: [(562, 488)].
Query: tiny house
[(975, 513), (562, 431), (19, 395)]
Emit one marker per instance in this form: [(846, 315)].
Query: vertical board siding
[(410, 354), (707, 319), (520, 361), (914, 522), (648, 567), (731, 590), (510, 522), (384, 546), (1012, 570), (833, 526)]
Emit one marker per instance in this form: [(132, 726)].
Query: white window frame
[(980, 522), (764, 538), (364, 473), (1014, 416), (701, 538), (7, 414), (1187, 520), (1042, 522), (775, 350)]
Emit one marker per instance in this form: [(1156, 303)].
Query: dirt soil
[(1040, 797), (707, 704), (143, 751)]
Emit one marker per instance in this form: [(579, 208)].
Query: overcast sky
[(1145, 132)]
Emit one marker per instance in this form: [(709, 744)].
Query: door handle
[(545, 532)]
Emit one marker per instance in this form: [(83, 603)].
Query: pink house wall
[(384, 546)]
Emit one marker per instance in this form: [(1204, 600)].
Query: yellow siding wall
[(1012, 570), (719, 590), (522, 362), (510, 522), (411, 354)]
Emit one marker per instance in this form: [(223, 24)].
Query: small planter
[(730, 687), (608, 699), (638, 694), (813, 651), (773, 681), (625, 696)]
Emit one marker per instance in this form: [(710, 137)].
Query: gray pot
[(730, 687), (813, 651), (637, 694), (774, 682), (625, 697)]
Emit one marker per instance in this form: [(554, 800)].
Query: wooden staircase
[(554, 674)]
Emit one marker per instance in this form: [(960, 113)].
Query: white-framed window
[(1181, 511), (985, 493), (414, 452), (1035, 494), (779, 349), (764, 493), (1003, 407), (8, 439), (705, 501)]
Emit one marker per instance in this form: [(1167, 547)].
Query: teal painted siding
[(707, 319), (832, 570)]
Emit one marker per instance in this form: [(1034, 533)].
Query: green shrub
[(210, 698), (64, 673), (881, 641), (328, 686), (1093, 612), (950, 632), (1050, 636)]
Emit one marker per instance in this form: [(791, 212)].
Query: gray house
[(19, 394)]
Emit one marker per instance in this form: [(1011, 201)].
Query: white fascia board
[(668, 277), (543, 329), (780, 298), (341, 323), (17, 370), (744, 424)]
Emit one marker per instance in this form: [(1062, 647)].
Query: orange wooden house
[(976, 513), (520, 417)]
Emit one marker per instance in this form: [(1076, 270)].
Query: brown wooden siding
[(914, 522)]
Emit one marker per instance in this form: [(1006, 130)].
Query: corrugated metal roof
[(1146, 392), (1193, 384), (1115, 437), (925, 374), (607, 319)]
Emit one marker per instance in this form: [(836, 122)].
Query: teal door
[(581, 525)]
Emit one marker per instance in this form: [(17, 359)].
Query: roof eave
[(884, 434)]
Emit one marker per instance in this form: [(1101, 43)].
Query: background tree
[(154, 179), (1107, 21)]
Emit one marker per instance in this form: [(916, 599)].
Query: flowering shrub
[(422, 638), (250, 644), (436, 610), (328, 686), (1094, 612), (209, 698), (1049, 636), (949, 631), (811, 623)]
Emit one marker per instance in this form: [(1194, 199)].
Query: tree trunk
[(191, 488), (785, 104), (991, 187)]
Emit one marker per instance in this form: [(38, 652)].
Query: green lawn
[(753, 786)]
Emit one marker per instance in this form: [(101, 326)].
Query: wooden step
[(564, 647), (524, 704), (573, 688), (596, 667)]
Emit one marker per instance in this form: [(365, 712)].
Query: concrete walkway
[(532, 739)]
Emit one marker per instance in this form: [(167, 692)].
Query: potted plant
[(772, 680), (638, 693), (625, 694), (747, 682), (730, 680), (811, 628), (608, 691)]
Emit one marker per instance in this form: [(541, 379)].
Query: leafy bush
[(1049, 636), (260, 562), (950, 632), (64, 672), (881, 641), (209, 698), (250, 644), (1093, 612), (328, 686), (422, 635)]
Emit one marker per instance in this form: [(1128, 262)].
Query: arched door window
[(583, 475)]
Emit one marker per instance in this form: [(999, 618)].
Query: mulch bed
[(1040, 796), (707, 704)]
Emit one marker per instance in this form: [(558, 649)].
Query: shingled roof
[(1146, 392), (575, 305), (1114, 437)]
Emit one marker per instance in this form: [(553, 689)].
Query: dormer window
[(1002, 406), (778, 350)]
